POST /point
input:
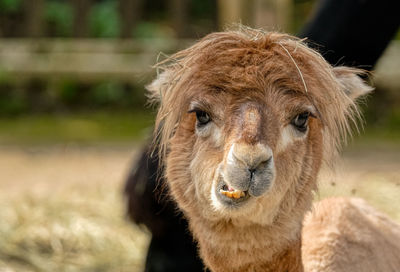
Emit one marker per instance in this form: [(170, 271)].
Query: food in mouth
[(231, 192)]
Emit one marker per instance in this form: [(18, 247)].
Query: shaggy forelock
[(247, 59)]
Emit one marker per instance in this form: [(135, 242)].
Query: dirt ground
[(369, 172), (62, 207)]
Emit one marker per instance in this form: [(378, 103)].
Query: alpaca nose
[(249, 168), (251, 156)]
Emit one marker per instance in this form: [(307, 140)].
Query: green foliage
[(10, 6), (203, 9), (397, 36), (11, 104), (302, 9), (386, 128), (11, 101), (81, 128), (148, 30), (59, 16), (68, 95), (155, 10), (104, 19), (67, 92), (394, 120), (107, 93)]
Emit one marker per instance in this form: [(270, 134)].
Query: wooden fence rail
[(92, 60), (82, 59)]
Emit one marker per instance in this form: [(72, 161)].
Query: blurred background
[(73, 117)]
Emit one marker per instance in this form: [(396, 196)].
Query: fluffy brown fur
[(352, 236), (252, 85)]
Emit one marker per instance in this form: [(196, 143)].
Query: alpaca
[(245, 121)]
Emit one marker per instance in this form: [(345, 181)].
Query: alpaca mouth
[(229, 195), (230, 192)]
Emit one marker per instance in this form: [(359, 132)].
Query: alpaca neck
[(288, 260), (226, 247), (240, 245)]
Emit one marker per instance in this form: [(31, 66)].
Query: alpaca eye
[(202, 117), (301, 121)]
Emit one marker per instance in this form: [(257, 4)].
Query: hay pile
[(63, 211)]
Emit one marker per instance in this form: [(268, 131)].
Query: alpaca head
[(245, 120)]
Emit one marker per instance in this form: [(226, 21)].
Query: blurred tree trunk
[(273, 14), (33, 10), (179, 11), (235, 11), (285, 14), (268, 14), (130, 13), (81, 17)]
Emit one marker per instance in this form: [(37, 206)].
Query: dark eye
[(301, 121), (202, 117)]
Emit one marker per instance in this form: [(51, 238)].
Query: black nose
[(261, 177), (251, 171), (259, 168)]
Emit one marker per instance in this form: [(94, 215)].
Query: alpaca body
[(348, 235), (245, 121), (338, 235)]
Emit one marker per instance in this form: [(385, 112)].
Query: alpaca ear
[(353, 85), (158, 86)]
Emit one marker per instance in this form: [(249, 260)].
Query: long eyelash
[(195, 109)]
